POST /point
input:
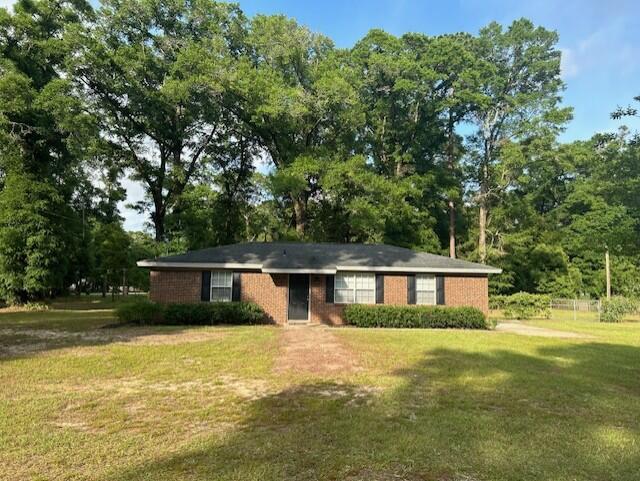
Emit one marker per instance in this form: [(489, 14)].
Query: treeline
[(259, 129)]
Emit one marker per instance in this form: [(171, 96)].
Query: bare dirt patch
[(525, 330), (138, 398), (172, 338), (36, 340), (314, 349), (248, 389)]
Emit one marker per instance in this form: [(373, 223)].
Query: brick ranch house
[(305, 282)]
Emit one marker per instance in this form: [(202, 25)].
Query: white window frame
[(221, 286), (354, 289), (426, 277)]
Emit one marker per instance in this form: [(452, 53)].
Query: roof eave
[(307, 270), (430, 270), (301, 270), (199, 265)]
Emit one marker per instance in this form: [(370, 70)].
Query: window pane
[(344, 281), (343, 296), (426, 297), (221, 278), (425, 282), (365, 296), (366, 281), (220, 294)]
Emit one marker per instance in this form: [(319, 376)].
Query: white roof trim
[(301, 270), (275, 270), (434, 270), (199, 265)]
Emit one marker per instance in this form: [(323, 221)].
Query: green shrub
[(616, 308), (214, 313), (34, 306), (414, 316), (497, 302), (26, 307), (143, 311), (140, 311), (522, 305), (186, 314)]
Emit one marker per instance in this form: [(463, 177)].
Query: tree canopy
[(260, 129)]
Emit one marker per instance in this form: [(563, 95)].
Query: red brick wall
[(321, 312), (395, 289), (467, 291), (175, 286), (269, 291)]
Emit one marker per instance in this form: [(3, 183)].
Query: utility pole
[(608, 271)]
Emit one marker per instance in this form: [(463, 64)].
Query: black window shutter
[(329, 289), (440, 290), (411, 289), (205, 293), (236, 287), (379, 288)]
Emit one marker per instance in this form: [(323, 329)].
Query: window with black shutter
[(330, 279), (379, 288), (205, 292), (440, 290), (236, 288), (411, 289)]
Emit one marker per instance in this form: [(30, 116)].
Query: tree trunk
[(399, 170), (451, 160), (158, 224), (300, 214), (482, 232), (452, 229), (158, 216), (483, 215)]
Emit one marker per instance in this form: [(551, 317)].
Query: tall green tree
[(40, 164), (138, 67), (296, 94), (398, 88), (359, 205), (520, 87), (39, 238)]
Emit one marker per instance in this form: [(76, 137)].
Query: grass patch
[(172, 403)]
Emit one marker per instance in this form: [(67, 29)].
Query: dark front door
[(298, 297)]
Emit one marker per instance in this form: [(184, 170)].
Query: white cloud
[(568, 65), (608, 48), (7, 3)]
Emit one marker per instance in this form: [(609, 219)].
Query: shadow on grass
[(566, 413), (24, 334)]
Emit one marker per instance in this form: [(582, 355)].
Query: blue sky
[(600, 40), (600, 43)]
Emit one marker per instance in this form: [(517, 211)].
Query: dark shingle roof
[(283, 256)]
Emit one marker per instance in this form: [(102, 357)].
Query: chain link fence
[(579, 308)]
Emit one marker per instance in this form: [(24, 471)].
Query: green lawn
[(82, 402), (562, 315)]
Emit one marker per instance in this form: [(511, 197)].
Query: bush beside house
[(522, 305), (144, 311), (139, 311), (415, 316)]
